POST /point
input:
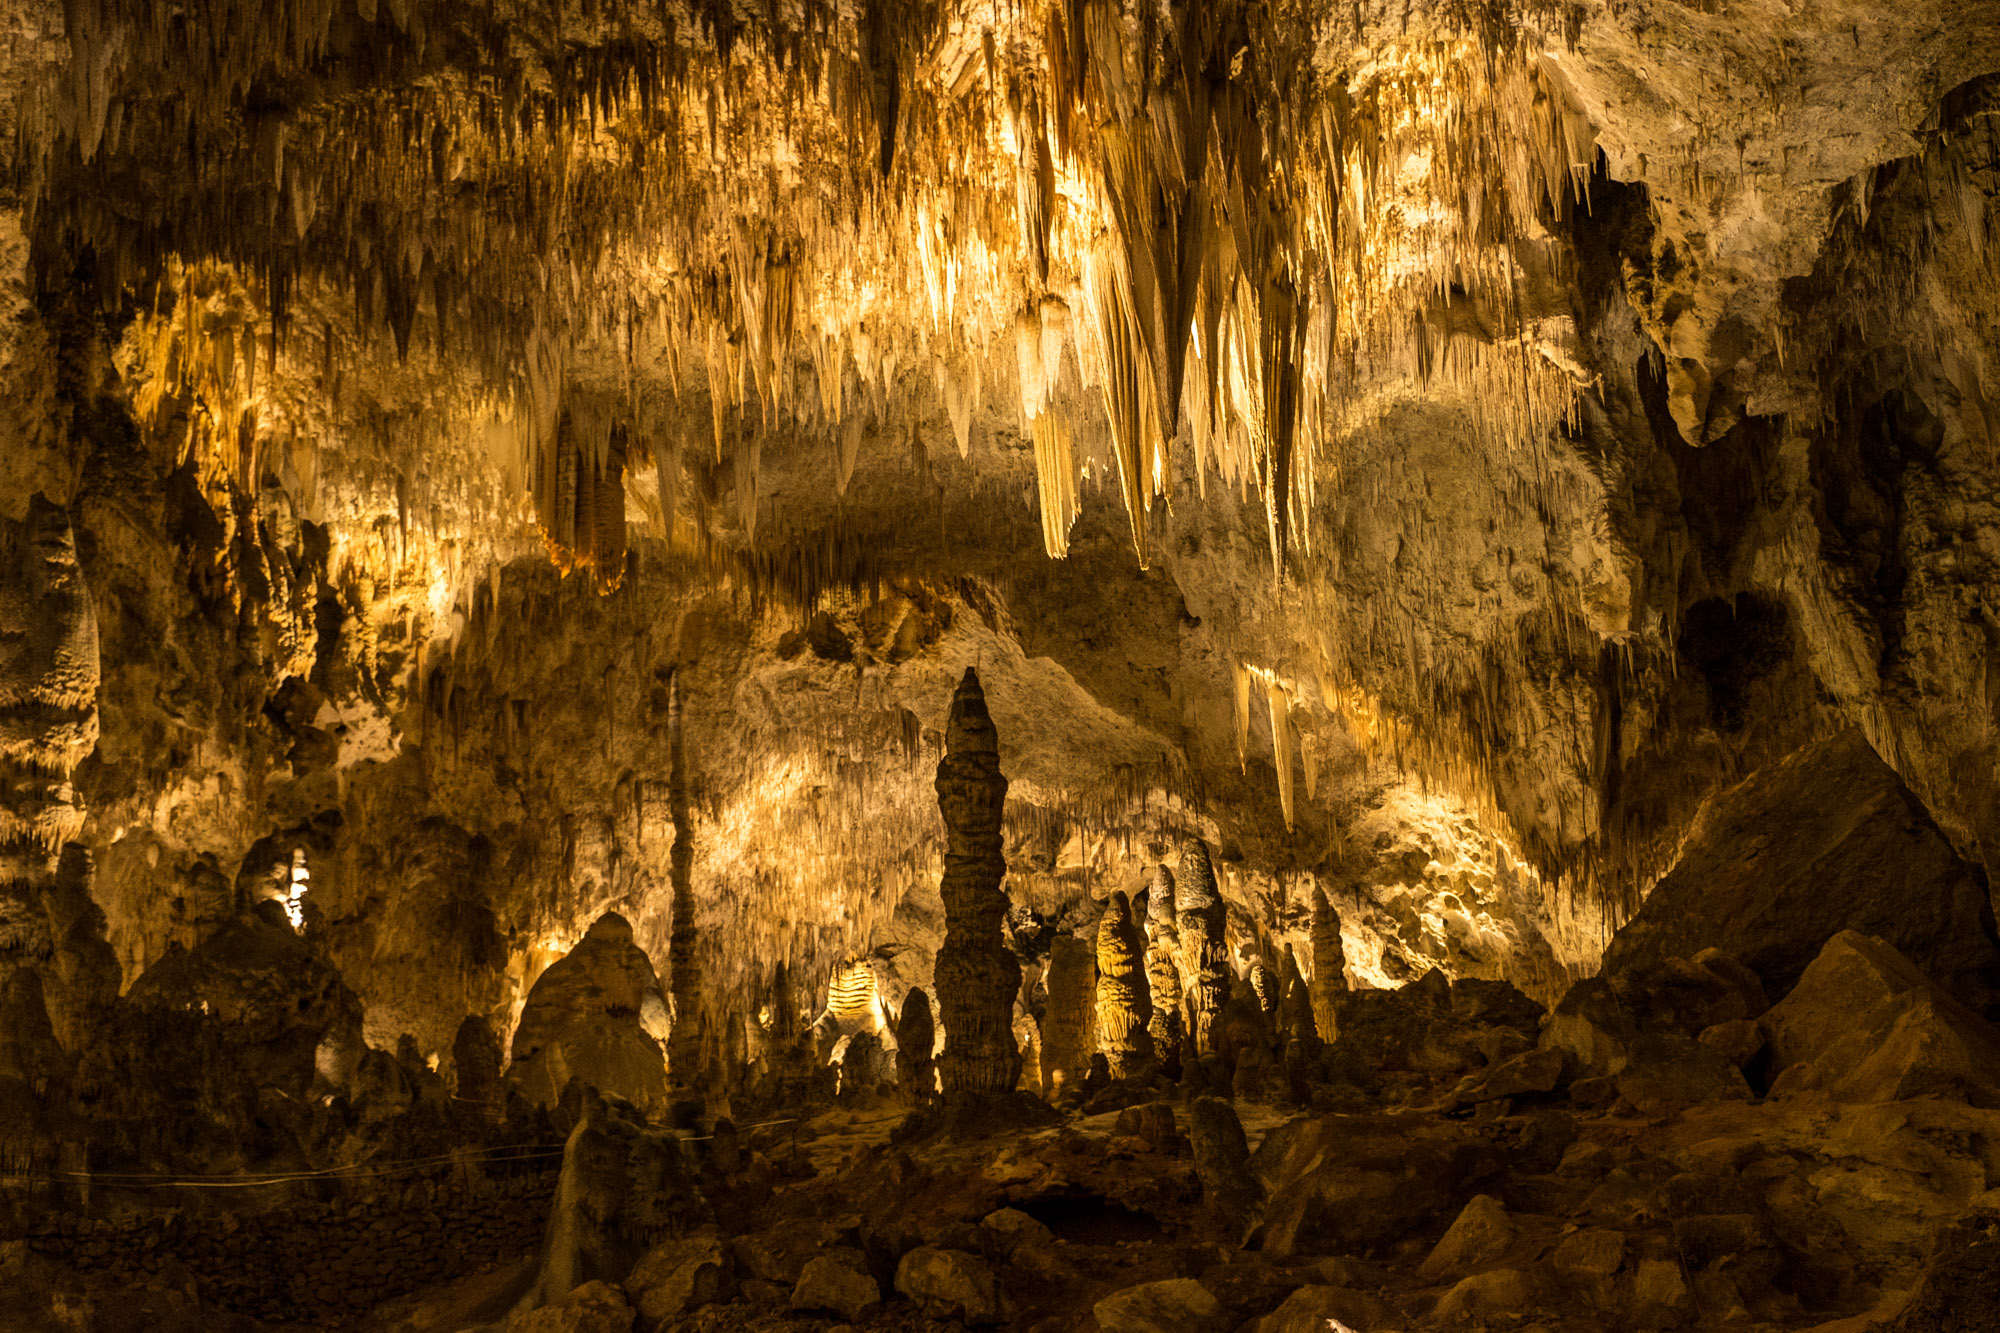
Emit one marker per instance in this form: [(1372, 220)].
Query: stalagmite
[(1329, 962), (1295, 1009), (916, 1041), (1069, 1024), (475, 1067), (1124, 998), (683, 962), (1163, 974), (977, 976), (1202, 918)]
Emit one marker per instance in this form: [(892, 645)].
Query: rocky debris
[(1867, 1026), (681, 1275), (1664, 1072), (1200, 916), (597, 1014), (1828, 839), (1153, 1125), (977, 975), (1501, 1292), (950, 1284), (1960, 1289), (1429, 1033), (838, 1281), (1124, 997), (916, 1041), (1175, 1305), (594, 1307), (1599, 1018), (1482, 1233)]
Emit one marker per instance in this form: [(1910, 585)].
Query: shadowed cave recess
[(1131, 666)]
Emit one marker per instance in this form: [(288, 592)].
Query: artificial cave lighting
[(1188, 667)]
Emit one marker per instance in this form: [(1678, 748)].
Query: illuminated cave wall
[(1577, 406)]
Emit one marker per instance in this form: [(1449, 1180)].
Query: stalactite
[(1055, 480), (1069, 1023), (683, 960), (977, 976), (1124, 997), (1329, 962), (916, 1041), (1201, 916)]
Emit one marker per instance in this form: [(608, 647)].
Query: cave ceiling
[(1424, 447)]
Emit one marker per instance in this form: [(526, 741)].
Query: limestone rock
[(1666, 1072), (1006, 1230), (1827, 840), (780, 1253), (948, 1284), (679, 1276), (1319, 1309), (597, 1014), (839, 1282), (916, 1041), (1176, 1305), (594, 1307), (1504, 1291), (1069, 1024), (1222, 1161), (1482, 1233), (1872, 1027), (1341, 1183)]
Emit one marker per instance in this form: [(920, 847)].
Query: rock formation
[(977, 977), (597, 1014), (1124, 998), (1163, 973), (916, 1042), (1329, 964), (1200, 915), (1069, 1025), (1828, 839), (683, 961)]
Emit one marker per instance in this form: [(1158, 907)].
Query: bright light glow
[(295, 896)]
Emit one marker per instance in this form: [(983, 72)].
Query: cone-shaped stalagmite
[(1329, 959), (684, 1044), (1124, 1000), (1200, 914), (476, 1063), (977, 976), (1163, 973), (916, 1039)]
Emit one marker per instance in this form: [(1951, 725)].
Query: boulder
[(1589, 1256), (1340, 1184), (780, 1253), (1667, 1072), (680, 1276), (1008, 1229), (1867, 1026), (1434, 1026), (1319, 1309), (597, 1014), (1482, 1233), (1176, 1305), (950, 1283), (1826, 840), (1222, 1161), (594, 1307), (1504, 1291), (837, 1281)]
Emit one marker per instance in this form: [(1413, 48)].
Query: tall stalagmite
[(1201, 916), (977, 976), (1163, 973), (1329, 960), (684, 1045), (1124, 999), (916, 1041)]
